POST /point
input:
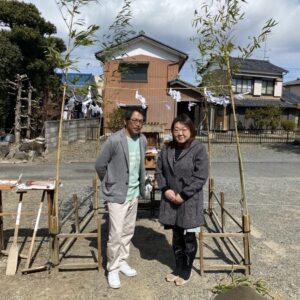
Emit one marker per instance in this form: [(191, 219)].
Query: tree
[(23, 40), (116, 118), (264, 117), (215, 24)]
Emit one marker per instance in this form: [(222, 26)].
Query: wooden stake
[(13, 254), (246, 242), (35, 232), (201, 252), (1, 224)]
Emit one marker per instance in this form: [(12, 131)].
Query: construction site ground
[(272, 174)]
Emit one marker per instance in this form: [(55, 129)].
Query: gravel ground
[(273, 201)]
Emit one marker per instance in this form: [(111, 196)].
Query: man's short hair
[(129, 112)]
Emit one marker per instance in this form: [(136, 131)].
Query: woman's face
[(181, 133)]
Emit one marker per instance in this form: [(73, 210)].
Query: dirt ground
[(275, 248)]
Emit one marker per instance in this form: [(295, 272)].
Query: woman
[(181, 173)]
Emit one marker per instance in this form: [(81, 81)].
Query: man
[(120, 167)]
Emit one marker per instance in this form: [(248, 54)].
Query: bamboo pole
[(241, 167)]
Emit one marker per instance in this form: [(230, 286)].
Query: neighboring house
[(261, 82), (146, 67), (291, 94), (79, 85), (292, 87)]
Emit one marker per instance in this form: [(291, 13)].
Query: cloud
[(170, 21)]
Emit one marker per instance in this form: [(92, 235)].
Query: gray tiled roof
[(289, 97), (261, 103), (293, 82), (256, 66)]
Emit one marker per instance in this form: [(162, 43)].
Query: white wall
[(257, 87), (278, 89)]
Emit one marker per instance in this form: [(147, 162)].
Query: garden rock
[(4, 149), (21, 155)]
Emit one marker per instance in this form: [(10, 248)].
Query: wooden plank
[(73, 266), (23, 213), (223, 234), (77, 235), (34, 269), (224, 267), (21, 255), (13, 254)]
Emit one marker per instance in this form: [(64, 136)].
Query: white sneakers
[(113, 276), (114, 279), (127, 270)]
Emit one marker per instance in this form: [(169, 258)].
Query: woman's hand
[(178, 200), (170, 195), (173, 197)]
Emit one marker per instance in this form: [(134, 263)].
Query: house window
[(267, 87), (240, 85), (134, 71)]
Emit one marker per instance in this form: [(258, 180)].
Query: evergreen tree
[(24, 37)]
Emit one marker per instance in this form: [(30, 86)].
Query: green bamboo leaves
[(78, 36)]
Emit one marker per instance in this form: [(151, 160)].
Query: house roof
[(187, 86), (293, 82), (184, 84), (182, 57), (257, 67), (261, 103), (290, 98)]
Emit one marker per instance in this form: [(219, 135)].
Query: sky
[(170, 22)]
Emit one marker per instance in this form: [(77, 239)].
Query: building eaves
[(142, 37), (184, 84)]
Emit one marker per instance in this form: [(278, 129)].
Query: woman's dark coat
[(186, 176)]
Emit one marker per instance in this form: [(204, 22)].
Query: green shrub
[(288, 125)]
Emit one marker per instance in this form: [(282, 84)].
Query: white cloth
[(141, 99), (216, 100), (190, 105), (175, 95)]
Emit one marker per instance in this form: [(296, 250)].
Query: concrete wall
[(73, 131)]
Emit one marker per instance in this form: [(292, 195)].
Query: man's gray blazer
[(112, 166)]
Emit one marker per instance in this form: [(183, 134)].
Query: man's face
[(134, 124)]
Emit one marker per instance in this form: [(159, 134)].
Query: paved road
[(85, 171)]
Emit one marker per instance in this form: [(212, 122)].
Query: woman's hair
[(186, 121)]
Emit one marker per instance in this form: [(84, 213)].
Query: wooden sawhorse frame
[(244, 234), (49, 191), (79, 227)]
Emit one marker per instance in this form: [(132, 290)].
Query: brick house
[(150, 68)]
